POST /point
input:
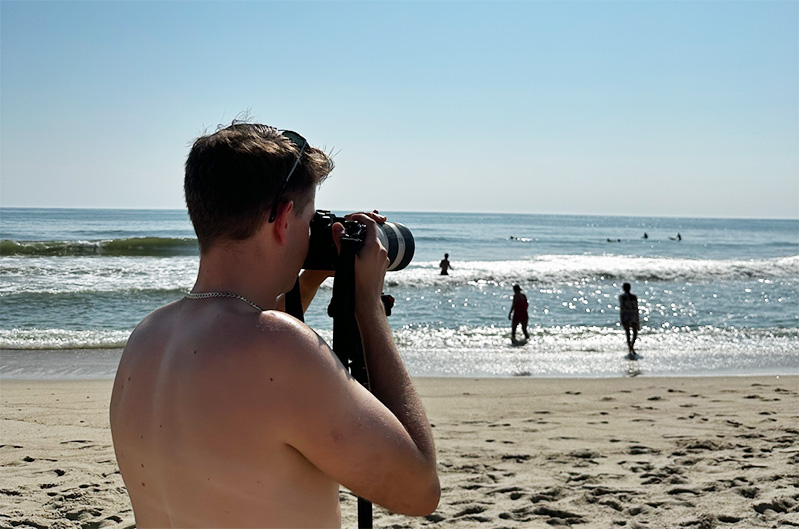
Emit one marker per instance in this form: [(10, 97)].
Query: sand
[(522, 452)]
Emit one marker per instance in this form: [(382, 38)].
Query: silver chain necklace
[(218, 294)]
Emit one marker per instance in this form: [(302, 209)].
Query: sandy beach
[(519, 452)]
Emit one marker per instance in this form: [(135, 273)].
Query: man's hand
[(371, 261)]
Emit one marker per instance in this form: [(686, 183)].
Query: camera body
[(322, 254)]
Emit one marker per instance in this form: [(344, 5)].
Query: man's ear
[(282, 219)]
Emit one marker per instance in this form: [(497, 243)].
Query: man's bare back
[(199, 420), (223, 417)]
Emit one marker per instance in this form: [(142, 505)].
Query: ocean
[(723, 300)]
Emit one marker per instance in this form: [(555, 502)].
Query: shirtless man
[(226, 411)]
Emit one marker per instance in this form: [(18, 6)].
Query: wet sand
[(633, 453)]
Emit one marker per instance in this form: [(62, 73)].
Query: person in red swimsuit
[(519, 309)]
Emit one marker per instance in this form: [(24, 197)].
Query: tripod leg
[(364, 514)]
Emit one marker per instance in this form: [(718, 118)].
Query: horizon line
[(697, 217)]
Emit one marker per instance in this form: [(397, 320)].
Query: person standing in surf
[(629, 316), (519, 310), (444, 264)]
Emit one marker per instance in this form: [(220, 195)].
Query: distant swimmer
[(645, 236), (519, 309), (678, 238), (445, 265), (612, 240), (629, 317)]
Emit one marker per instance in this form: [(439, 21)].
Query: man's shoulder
[(268, 330), (153, 322), (283, 350), (277, 321), (234, 332), (282, 338), (231, 350)]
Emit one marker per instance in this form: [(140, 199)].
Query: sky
[(643, 108)]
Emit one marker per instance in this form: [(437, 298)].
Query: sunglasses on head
[(301, 143)]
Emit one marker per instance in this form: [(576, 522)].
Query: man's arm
[(389, 380), (391, 384), (379, 445)]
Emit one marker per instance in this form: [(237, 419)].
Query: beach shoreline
[(513, 452), (101, 363)]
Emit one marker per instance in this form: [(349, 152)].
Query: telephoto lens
[(322, 255), (399, 244)]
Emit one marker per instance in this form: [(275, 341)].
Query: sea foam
[(574, 269)]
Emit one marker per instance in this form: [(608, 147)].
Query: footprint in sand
[(748, 492), (519, 458), (779, 505), (524, 514), (514, 492), (557, 516), (10, 492), (471, 509), (640, 449), (550, 494), (472, 513)]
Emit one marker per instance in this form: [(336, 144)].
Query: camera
[(322, 254)]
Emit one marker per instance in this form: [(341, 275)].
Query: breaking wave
[(573, 269), (133, 246)]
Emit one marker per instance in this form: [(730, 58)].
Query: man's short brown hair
[(233, 174)]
